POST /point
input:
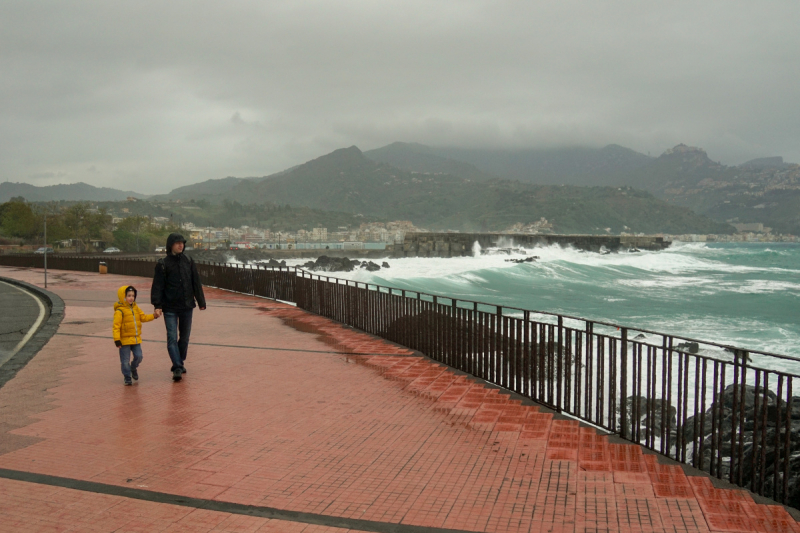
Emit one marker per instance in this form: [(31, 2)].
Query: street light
[(45, 247)]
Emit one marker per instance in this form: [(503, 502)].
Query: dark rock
[(646, 418), (385, 265), (502, 251), (749, 396), (370, 266), (751, 430), (688, 347), (530, 259), (331, 264)]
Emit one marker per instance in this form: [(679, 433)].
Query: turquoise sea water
[(742, 294)]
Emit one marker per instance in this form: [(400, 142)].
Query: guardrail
[(723, 409)]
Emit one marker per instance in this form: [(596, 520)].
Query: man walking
[(176, 286)]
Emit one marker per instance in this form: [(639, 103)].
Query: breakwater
[(460, 244)]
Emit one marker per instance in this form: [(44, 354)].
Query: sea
[(739, 294)]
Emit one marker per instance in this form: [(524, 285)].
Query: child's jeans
[(125, 358)]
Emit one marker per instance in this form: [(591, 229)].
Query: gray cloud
[(154, 95)]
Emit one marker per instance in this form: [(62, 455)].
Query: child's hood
[(121, 296)]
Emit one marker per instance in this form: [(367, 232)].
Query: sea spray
[(744, 294), (476, 249)]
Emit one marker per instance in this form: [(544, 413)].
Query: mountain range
[(348, 180), (763, 190), (557, 166), (579, 189), (71, 192)]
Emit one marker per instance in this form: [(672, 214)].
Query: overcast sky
[(153, 95)]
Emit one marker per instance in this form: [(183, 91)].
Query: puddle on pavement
[(304, 327)]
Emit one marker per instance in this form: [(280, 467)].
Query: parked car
[(161, 249), (44, 249), (112, 250)]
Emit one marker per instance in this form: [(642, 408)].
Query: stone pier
[(460, 244)]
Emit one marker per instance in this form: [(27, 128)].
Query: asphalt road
[(21, 312)]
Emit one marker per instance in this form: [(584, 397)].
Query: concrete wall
[(460, 244)]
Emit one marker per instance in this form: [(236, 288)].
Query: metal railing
[(720, 408)]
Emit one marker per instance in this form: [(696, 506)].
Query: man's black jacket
[(176, 284)]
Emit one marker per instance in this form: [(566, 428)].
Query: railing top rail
[(472, 303), (506, 308)]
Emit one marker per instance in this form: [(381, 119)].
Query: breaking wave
[(742, 294)]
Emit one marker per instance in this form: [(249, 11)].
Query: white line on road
[(31, 331)]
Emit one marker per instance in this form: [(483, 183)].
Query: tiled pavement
[(277, 412)]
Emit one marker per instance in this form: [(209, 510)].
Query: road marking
[(271, 513), (268, 348), (31, 331)]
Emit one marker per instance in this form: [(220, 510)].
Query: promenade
[(289, 422)]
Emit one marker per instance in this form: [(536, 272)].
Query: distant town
[(368, 236), (377, 235)]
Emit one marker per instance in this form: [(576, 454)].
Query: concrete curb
[(55, 307)]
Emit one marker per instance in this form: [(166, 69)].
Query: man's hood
[(172, 239), (121, 295)]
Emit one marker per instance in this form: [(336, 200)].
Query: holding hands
[(157, 313)]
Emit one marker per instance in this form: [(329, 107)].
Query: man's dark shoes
[(134, 374), (183, 369), (177, 374), (128, 381)]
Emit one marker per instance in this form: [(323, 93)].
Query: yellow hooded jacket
[(128, 320)]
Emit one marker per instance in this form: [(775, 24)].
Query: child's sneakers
[(128, 381), (135, 374)]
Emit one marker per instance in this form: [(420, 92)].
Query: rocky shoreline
[(342, 264), (737, 431)]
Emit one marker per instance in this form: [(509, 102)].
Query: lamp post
[(45, 247)]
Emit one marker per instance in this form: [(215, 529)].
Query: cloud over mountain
[(167, 94)]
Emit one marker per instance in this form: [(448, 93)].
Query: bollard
[(103, 268)]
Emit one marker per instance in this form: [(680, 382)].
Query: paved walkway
[(27, 308), (289, 422)]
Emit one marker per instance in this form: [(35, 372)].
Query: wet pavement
[(21, 311), (287, 421)]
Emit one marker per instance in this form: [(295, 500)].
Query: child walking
[(128, 319)]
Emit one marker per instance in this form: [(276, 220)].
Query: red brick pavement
[(42, 508), (390, 438)]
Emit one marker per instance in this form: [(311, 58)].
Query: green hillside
[(69, 192), (763, 190), (347, 181), (415, 157), (573, 165)]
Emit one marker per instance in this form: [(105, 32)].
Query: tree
[(19, 220), (136, 226), (85, 223)]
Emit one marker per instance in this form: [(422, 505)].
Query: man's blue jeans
[(179, 327), (125, 358)]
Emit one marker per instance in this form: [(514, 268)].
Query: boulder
[(688, 347), (530, 259), (331, 264), (654, 422), (370, 266)]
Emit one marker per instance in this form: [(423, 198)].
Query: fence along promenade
[(720, 408)]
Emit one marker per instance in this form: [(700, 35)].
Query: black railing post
[(623, 407), (559, 362)]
